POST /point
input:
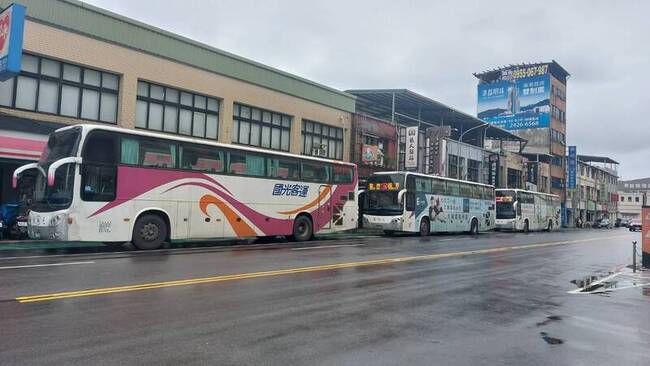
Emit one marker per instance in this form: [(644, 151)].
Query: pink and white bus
[(114, 185)]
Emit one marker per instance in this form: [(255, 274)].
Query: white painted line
[(329, 246), (592, 284), (48, 265)]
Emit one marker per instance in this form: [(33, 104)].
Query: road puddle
[(603, 284)]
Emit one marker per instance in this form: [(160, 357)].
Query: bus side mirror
[(410, 201), (55, 165)]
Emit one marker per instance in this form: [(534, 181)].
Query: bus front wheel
[(149, 232), (473, 229), (303, 228)]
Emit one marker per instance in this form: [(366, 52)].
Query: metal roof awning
[(404, 107), (596, 159)]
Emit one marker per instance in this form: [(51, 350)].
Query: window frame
[(163, 102), (237, 119), (305, 134), (60, 82)]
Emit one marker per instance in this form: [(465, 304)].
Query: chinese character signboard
[(572, 167), (411, 157), (532, 172), (494, 169), (12, 21), (519, 99)]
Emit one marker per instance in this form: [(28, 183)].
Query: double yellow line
[(282, 272)]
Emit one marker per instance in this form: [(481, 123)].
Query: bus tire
[(149, 232), (303, 228), (425, 227), (526, 226), (473, 227)]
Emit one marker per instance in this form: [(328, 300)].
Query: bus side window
[(342, 174), (315, 172), (453, 189), (477, 192), (282, 168), (244, 163), (422, 184), (202, 158), (439, 187), (466, 190), (99, 168)]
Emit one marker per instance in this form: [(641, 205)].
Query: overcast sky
[(433, 47)]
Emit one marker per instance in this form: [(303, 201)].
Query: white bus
[(113, 185), (521, 210), (424, 204)]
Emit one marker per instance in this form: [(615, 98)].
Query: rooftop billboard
[(519, 99)]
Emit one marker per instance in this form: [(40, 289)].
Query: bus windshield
[(382, 194), (60, 145), (505, 201)]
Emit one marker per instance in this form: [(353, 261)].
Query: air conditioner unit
[(319, 151)]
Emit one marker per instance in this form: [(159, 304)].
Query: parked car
[(635, 225), (619, 222), (602, 224)]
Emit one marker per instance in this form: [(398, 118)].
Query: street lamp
[(460, 139)]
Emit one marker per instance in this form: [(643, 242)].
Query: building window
[(473, 168), (49, 86), (322, 140), (558, 137), (259, 127), (452, 166), (558, 183), (636, 199), (514, 178), (160, 108)]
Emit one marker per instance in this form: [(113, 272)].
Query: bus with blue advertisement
[(403, 201)]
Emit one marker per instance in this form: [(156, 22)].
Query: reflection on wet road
[(498, 298)]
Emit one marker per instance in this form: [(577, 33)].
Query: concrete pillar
[(296, 135), (225, 121), (127, 99)]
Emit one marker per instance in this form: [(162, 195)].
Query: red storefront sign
[(645, 235)]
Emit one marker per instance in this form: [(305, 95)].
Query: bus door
[(325, 205)]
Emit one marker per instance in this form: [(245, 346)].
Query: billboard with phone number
[(516, 103)]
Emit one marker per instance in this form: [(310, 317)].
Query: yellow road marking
[(281, 272)]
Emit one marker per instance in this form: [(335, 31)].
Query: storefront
[(21, 142)]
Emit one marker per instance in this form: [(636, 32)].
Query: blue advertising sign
[(572, 167), (516, 103), (12, 24)]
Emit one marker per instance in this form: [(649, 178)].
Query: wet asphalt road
[(445, 300)]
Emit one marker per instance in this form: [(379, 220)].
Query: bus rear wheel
[(149, 232), (425, 227), (473, 228), (303, 228), (526, 227)]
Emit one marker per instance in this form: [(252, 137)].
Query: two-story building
[(84, 64)]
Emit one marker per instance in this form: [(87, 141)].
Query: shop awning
[(23, 146), (23, 138)]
